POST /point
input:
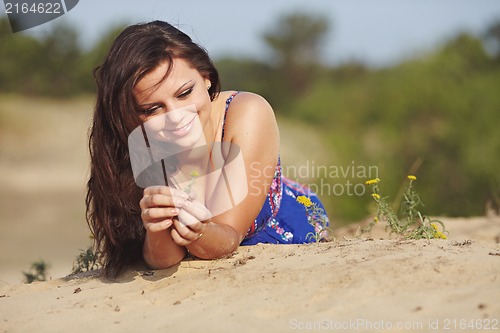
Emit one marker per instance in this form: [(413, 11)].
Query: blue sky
[(377, 32)]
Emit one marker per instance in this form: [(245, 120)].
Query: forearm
[(218, 240), (160, 251)]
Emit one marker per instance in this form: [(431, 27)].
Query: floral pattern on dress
[(285, 235), (276, 190), (290, 193)]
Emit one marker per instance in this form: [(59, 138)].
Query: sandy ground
[(366, 284), (359, 284)]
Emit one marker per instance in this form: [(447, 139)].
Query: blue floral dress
[(291, 214)]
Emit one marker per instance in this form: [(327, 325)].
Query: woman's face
[(177, 108)]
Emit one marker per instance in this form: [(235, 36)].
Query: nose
[(176, 115)]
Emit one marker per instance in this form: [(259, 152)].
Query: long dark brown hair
[(113, 212)]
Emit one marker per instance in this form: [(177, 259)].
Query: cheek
[(155, 124), (203, 106)]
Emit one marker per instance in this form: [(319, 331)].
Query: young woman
[(218, 185)]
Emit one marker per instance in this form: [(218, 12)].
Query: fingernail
[(174, 211)]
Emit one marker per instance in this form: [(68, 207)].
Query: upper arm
[(252, 131)]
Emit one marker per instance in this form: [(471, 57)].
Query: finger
[(154, 200), (178, 239), (185, 232), (158, 189), (186, 218), (158, 226), (159, 213), (191, 222), (198, 210), (166, 190)]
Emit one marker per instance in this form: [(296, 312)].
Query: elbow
[(163, 263), (201, 254), (214, 252)]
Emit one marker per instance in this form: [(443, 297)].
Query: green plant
[(87, 260), (194, 174), (410, 223), (37, 272), (317, 218)]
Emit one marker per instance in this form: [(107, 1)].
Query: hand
[(159, 205), (190, 223)]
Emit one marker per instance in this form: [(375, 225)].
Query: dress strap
[(228, 101)]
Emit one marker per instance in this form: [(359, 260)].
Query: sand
[(364, 284)]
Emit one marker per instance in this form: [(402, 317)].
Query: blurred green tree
[(435, 115), (297, 39), (296, 42), (44, 66), (18, 58), (95, 56), (59, 59), (492, 34), (244, 74)]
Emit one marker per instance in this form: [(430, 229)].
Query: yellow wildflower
[(372, 181), (375, 196), (194, 173), (412, 177), (304, 201), (375, 219), (437, 233), (440, 235)]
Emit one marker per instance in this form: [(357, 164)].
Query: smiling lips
[(183, 130)]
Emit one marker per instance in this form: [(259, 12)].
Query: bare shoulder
[(249, 111), (248, 100)]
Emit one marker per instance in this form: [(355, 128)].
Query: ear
[(207, 82)]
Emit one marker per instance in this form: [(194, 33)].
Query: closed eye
[(152, 110), (185, 93)]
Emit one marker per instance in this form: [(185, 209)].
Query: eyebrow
[(176, 93), (180, 88)]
